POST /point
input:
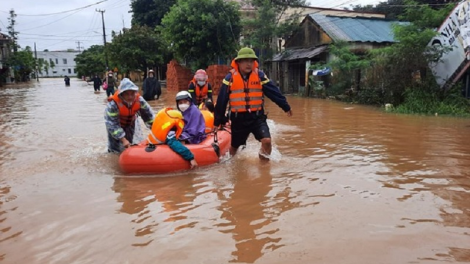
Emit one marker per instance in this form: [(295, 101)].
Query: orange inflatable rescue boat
[(147, 158)]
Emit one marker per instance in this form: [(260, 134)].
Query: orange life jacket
[(245, 96), (127, 115), (165, 120), (201, 92), (209, 119)]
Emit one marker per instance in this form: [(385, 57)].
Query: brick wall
[(178, 76), (216, 74)]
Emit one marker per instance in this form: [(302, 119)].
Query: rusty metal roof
[(294, 54), (356, 29)]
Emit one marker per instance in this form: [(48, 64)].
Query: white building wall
[(64, 63)]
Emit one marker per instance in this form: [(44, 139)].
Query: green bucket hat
[(246, 53)]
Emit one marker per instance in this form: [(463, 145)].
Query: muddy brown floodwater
[(346, 184)]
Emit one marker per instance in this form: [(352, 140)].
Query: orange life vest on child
[(127, 115), (165, 120), (209, 119), (245, 96)]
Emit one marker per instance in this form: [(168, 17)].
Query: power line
[(61, 12), (50, 22)]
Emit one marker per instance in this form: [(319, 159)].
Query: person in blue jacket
[(244, 89)]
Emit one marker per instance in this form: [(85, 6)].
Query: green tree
[(269, 23), (395, 9), (11, 30), (40, 65), (149, 12), (23, 63), (202, 31), (90, 61), (410, 53), (137, 48)]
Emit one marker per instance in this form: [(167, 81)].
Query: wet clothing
[(127, 112), (166, 120), (116, 130), (67, 80), (246, 122), (246, 95), (249, 123), (111, 85), (151, 88), (199, 93), (96, 83), (194, 130), (178, 147)]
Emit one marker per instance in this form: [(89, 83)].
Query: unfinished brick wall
[(216, 75), (177, 77)]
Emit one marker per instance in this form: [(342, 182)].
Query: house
[(63, 62), (309, 45), (304, 11), (5, 52)]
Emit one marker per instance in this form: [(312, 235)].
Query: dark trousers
[(109, 91)]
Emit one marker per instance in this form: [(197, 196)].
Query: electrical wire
[(61, 12)]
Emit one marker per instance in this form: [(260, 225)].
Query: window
[(56, 61), (54, 72), (64, 61), (50, 61), (63, 69), (70, 70), (74, 70)]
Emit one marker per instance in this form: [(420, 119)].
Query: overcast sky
[(61, 25)]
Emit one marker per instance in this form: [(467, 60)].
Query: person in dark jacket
[(67, 80), (244, 89), (151, 88), (96, 82), (111, 83)]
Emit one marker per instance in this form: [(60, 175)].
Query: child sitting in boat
[(167, 129), (194, 130)]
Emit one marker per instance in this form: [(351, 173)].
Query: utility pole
[(36, 57), (78, 46), (104, 38)]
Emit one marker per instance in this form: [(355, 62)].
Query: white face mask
[(201, 83), (183, 107)]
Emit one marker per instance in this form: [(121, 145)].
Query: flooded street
[(346, 184)]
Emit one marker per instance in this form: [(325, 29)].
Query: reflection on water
[(347, 184), (245, 207), (154, 201)]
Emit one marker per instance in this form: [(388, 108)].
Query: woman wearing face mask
[(194, 130), (199, 88)]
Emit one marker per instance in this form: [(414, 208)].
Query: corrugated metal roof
[(356, 29), (293, 54)]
